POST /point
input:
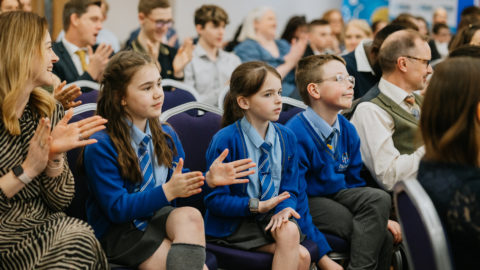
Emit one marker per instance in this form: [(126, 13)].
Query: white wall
[(122, 18)]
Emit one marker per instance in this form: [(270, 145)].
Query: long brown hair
[(21, 42), (247, 79), (116, 78), (449, 120)]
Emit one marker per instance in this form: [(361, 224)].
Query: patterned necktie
[(329, 139), (147, 172), (83, 60), (410, 100), (265, 174)]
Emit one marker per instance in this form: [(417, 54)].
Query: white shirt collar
[(71, 48), (361, 57), (392, 91)]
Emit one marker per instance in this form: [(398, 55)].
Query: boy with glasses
[(329, 170), (155, 17), (211, 67)]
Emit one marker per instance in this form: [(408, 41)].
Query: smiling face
[(266, 104), (418, 70), (156, 23), (88, 25), (144, 96), (43, 65), (335, 95)]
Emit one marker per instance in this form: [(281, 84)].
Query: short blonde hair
[(362, 25), (21, 42)]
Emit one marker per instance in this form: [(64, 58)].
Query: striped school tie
[(265, 174), (147, 172)]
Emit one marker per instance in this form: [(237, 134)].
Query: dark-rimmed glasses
[(161, 23), (426, 62)]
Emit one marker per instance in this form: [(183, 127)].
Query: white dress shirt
[(71, 49), (209, 77), (375, 128)]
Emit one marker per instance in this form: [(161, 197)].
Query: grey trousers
[(360, 216)]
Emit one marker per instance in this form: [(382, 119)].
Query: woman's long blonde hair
[(21, 42)]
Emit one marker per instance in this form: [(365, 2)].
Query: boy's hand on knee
[(265, 206), (182, 185), (280, 218), (325, 263), (222, 174), (396, 231)]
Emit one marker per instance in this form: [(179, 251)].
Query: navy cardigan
[(227, 206)]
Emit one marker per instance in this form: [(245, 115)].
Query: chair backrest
[(176, 97), (180, 85), (290, 108), (85, 85), (424, 234), (77, 206), (195, 132)]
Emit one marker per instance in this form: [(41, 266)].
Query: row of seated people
[(55, 165), (391, 77)]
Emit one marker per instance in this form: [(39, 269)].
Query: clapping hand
[(67, 96), (222, 174), (183, 185), (67, 136)]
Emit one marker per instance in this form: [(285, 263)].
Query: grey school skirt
[(124, 244), (251, 234)]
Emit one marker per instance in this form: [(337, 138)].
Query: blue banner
[(370, 10)]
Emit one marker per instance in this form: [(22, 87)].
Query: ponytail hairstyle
[(117, 76), (246, 80)]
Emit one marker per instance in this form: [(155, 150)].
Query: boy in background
[(211, 67)]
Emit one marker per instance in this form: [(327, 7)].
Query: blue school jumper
[(326, 171), (112, 198), (227, 206)]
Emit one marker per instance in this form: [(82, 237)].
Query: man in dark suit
[(82, 20)]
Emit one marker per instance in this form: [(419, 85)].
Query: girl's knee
[(288, 233), (188, 215), (304, 256)]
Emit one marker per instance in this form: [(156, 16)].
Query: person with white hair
[(258, 42)]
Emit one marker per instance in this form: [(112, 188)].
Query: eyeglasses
[(161, 23), (426, 62), (340, 78)]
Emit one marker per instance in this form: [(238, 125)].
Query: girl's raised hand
[(280, 218), (222, 174), (265, 206), (183, 185), (67, 136)]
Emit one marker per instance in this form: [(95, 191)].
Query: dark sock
[(183, 256)]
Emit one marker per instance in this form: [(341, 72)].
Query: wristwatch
[(20, 174), (253, 205)]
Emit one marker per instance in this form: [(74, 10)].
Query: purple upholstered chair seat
[(234, 259)]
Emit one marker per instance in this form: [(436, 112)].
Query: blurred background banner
[(370, 10), (425, 8)]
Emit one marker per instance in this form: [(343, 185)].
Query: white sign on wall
[(424, 8)]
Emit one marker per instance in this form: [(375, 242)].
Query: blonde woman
[(35, 182), (355, 32)]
